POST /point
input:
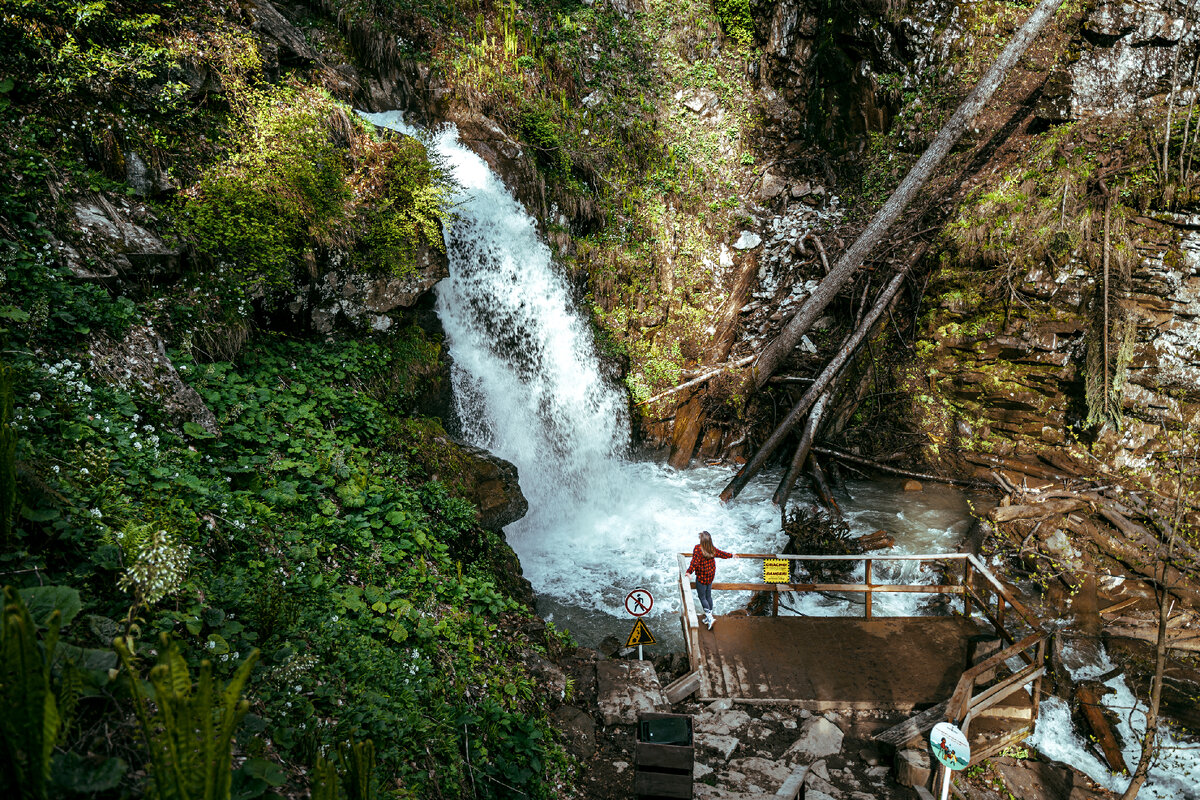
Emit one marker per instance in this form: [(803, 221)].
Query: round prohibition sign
[(639, 602)]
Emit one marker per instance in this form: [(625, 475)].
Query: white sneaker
[(708, 620)]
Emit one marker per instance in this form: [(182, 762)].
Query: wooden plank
[(867, 581), (792, 786), (1002, 690), (960, 700), (1003, 590), (1115, 607), (664, 756), (920, 588), (662, 784), (682, 687), (1089, 704), (1189, 643), (739, 668), (899, 735), (894, 557)]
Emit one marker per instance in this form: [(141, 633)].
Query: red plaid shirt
[(705, 567)]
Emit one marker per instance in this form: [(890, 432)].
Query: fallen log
[(1189, 641), (782, 493), (879, 540), (1035, 510), (741, 362), (821, 485), (1093, 713), (851, 259), (1139, 560), (904, 473), (823, 381)]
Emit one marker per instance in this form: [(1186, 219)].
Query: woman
[(705, 567)]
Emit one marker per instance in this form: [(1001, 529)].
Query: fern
[(30, 721), (190, 734), (8, 455)]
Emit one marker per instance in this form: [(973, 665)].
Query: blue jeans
[(705, 592)]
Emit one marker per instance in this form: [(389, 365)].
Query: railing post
[(1037, 682), (775, 604), (867, 572), (967, 571)]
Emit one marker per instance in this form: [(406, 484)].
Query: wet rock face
[(1126, 57), (491, 484), (140, 364), (358, 302), (115, 239), (1024, 384)]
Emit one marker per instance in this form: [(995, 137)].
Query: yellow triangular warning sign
[(640, 635)]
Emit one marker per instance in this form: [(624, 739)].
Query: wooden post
[(1000, 612), (775, 604), (967, 572), (868, 576), (1037, 682)]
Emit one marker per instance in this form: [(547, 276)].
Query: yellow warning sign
[(640, 635), (776, 570)]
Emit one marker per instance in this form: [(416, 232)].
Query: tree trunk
[(1150, 739), (818, 388), (810, 432), (778, 350)]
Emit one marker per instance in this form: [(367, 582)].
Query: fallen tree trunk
[(904, 473), (821, 486), (741, 362), (810, 432), (778, 350), (1089, 703), (848, 349), (1035, 510)]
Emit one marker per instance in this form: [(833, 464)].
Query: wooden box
[(663, 769)]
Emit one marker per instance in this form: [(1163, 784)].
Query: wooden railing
[(979, 590)]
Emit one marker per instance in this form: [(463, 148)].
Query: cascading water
[(528, 387)]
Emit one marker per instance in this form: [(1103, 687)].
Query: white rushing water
[(1176, 771), (528, 387)]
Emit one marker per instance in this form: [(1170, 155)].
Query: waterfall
[(528, 387)]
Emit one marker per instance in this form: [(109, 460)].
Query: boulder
[(913, 768), (747, 241), (818, 738), (113, 240), (272, 25), (722, 723), (913, 486), (139, 364), (578, 730), (625, 689), (761, 772), (550, 679), (723, 746), (359, 302), (772, 186), (492, 484)]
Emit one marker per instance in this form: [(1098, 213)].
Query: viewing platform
[(981, 661)]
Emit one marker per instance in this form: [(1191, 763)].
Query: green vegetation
[(304, 528)]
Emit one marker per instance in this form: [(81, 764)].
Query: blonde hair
[(706, 545)]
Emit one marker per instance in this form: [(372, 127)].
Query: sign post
[(638, 603), (951, 748)]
